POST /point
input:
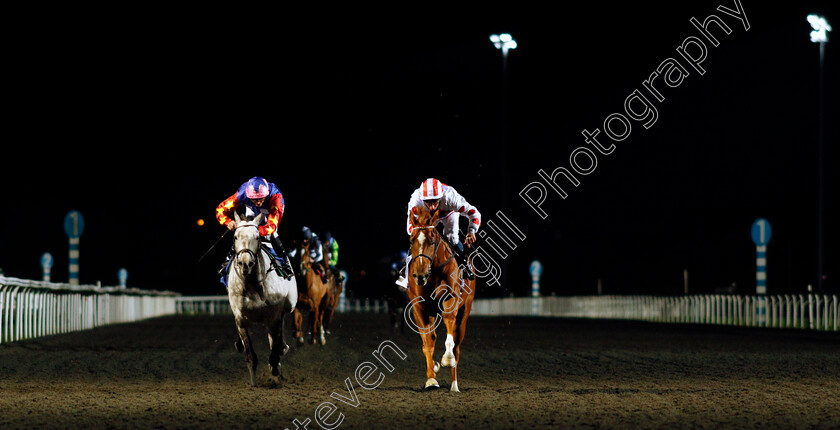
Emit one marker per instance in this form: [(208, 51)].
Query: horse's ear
[(258, 219), (413, 217), (434, 217), (236, 217)]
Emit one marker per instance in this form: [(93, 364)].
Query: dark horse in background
[(397, 299)]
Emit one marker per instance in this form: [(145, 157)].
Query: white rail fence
[(220, 305), (30, 309), (212, 305), (802, 311), (811, 311)]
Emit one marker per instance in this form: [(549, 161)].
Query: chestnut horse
[(313, 296), (436, 291)]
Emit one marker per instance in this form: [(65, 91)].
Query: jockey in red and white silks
[(450, 205)]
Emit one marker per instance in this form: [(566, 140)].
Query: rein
[(433, 268), (257, 260)]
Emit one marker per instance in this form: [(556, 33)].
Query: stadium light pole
[(504, 42), (820, 35)]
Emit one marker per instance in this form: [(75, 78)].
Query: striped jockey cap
[(431, 189), (257, 188)]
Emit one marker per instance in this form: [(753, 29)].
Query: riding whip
[(214, 245)]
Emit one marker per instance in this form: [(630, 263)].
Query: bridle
[(254, 255), (436, 243)]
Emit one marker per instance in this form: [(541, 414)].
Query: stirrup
[(469, 272), (282, 269)]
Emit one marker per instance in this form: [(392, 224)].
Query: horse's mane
[(422, 217)]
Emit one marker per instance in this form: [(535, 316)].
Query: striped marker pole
[(536, 272), (46, 266), (761, 269), (761, 233), (74, 261), (761, 282), (74, 224)]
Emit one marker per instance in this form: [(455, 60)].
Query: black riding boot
[(461, 258), (223, 270), (286, 265)]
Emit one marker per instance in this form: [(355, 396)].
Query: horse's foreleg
[(427, 334), (277, 344), (322, 315), (314, 318), (282, 330), (329, 309), (449, 359), (250, 357), (431, 366), (460, 331), (297, 324)]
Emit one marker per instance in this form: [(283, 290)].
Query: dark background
[(144, 120)]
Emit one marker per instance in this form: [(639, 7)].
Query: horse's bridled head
[(246, 263), (421, 270), (246, 242), (421, 259), (424, 241), (421, 278), (247, 236)]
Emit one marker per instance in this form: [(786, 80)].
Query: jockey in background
[(332, 248), (258, 196), (436, 195), (332, 255), (316, 252)]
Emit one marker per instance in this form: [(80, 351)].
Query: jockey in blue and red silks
[(259, 196)]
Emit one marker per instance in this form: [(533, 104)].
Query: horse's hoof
[(285, 350), (437, 367), (322, 342), (448, 360), (300, 341), (275, 370), (431, 384), (238, 345), (454, 387)]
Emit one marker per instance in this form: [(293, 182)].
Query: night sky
[(145, 120)]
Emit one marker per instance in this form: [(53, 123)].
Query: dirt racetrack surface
[(183, 372)]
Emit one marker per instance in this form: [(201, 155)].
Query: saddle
[(319, 270), (272, 261)]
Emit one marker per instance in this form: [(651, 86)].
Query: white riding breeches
[(450, 227)]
